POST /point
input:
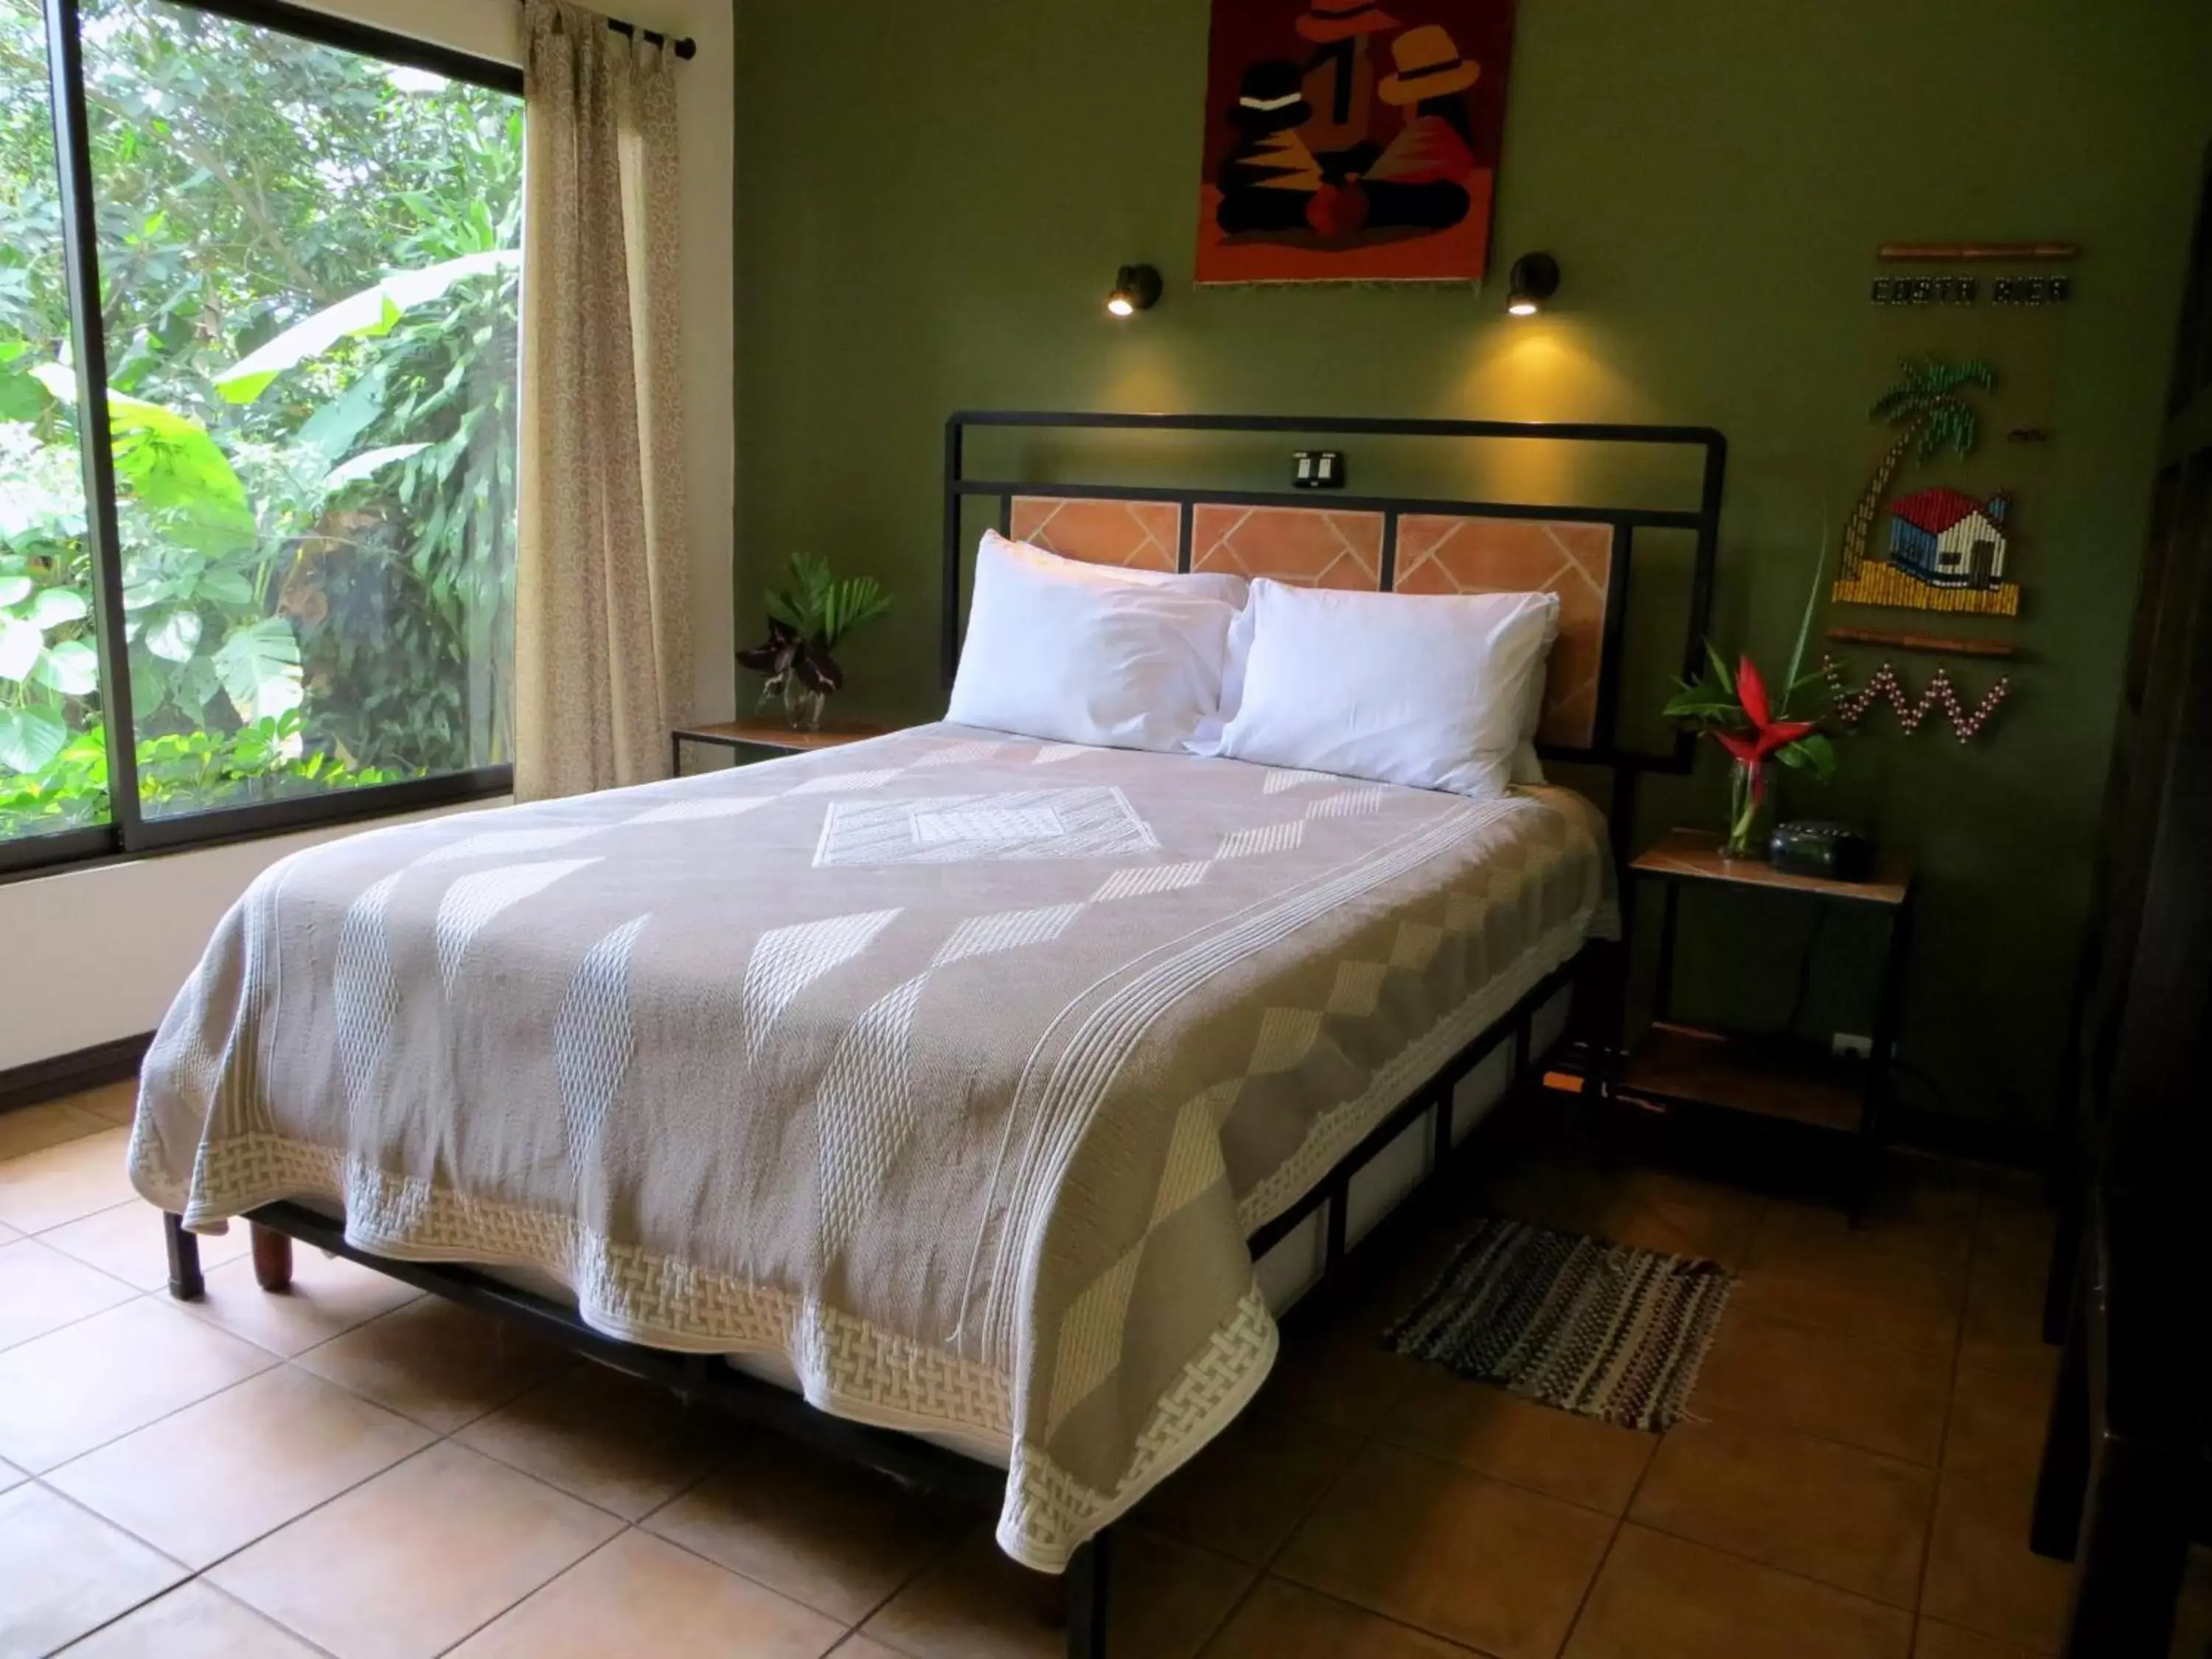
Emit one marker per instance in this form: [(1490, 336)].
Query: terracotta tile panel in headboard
[(1451, 554), (1310, 546), (1139, 535)]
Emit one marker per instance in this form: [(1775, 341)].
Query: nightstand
[(1676, 1065), (769, 736)]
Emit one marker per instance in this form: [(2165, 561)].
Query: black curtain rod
[(685, 47)]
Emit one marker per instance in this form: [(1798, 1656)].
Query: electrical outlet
[(1850, 1045)]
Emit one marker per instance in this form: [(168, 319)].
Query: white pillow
[(1427, 691), (1231, 590), (1119, 664)]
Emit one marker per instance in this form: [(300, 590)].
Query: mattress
[(948, 1072)]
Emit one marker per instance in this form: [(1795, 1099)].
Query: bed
[(990, 1096)]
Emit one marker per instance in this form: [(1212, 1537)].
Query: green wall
[(931, 199)]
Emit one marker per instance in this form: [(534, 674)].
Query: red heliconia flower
[(1767, 734)]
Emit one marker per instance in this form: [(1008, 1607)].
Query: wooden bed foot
[(272, 1258), (185, 1281)]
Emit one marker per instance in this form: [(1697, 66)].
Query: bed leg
[(185, 1281), (1088, 1580), (272, 1258)]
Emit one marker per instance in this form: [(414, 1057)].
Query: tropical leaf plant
[(806, 619)]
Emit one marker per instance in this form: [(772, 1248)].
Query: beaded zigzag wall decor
[(1851, 707)]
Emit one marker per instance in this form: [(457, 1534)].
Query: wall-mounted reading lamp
[(1534, 278), (1136, 288)]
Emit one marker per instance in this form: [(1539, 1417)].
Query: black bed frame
[(949, 1473)]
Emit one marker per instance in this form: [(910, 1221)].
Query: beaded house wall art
[(1942, 550), (1352, 140)]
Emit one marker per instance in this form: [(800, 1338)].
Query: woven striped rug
[(1607, 1330)]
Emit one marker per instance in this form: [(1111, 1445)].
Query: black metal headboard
[(1611, 530)]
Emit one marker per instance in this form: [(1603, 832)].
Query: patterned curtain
[(602, 658)]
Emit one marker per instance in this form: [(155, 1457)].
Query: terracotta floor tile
[(126, 1242), (1893, 1302), (1283, 1621), (640, 1595), (2014, 1189), (857, 1646), (838, 1537), (112, 1103), (59, 1184), (1981, 1573), (974, 1603), (63, 1393), (1343, 1378), (42, 1290), (1941, 1243), (1890, 1401), (1844, 1516), (217, 1475), (1472, 1559), (1665, 1598), (63, 1572), (409, 1563), (1937, 1640), (438, 1362), (1549, 1187), (1493, 1433), (193, 1621), (2015, 1244), (33, 1128), (608, 1439), (1246, 1491), (1679, 1215), (2003, 1323), (328, 1296), (2000, 1414)]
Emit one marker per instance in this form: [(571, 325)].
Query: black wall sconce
[(1534, 278), (1136, 288)]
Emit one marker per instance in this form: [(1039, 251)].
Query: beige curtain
[(601, 651)]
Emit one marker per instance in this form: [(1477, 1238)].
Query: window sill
[(72, 851)]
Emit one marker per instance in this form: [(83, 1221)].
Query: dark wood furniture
[(1680, 1064), (768, 736), (2127, 1469)]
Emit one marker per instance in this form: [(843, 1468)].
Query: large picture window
[(282, 562)]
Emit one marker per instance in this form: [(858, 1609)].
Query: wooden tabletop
[(1695, 854), (770, 733)]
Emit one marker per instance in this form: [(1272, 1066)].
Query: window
[(300, 551), (49, 720)]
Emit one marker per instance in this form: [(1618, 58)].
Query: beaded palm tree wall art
[(1942, 550)]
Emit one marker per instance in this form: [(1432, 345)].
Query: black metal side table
[(739, 736), (1676, 1065)]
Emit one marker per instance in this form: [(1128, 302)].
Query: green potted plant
[(1735, 710), (805, 622)]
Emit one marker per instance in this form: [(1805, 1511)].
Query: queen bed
[(989, 1095)]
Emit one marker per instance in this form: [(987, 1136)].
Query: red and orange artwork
[(1352, 141)]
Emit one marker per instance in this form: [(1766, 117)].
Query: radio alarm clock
[(1834, 850)]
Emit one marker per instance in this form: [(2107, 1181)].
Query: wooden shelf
[(1682, 1063), (1695, 854), (773, 734)]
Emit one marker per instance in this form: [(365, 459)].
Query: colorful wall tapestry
[(1352, 141)]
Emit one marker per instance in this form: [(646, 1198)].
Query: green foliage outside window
[(310, 282)]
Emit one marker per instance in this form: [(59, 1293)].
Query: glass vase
[(802, 707), (1749, 786)]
